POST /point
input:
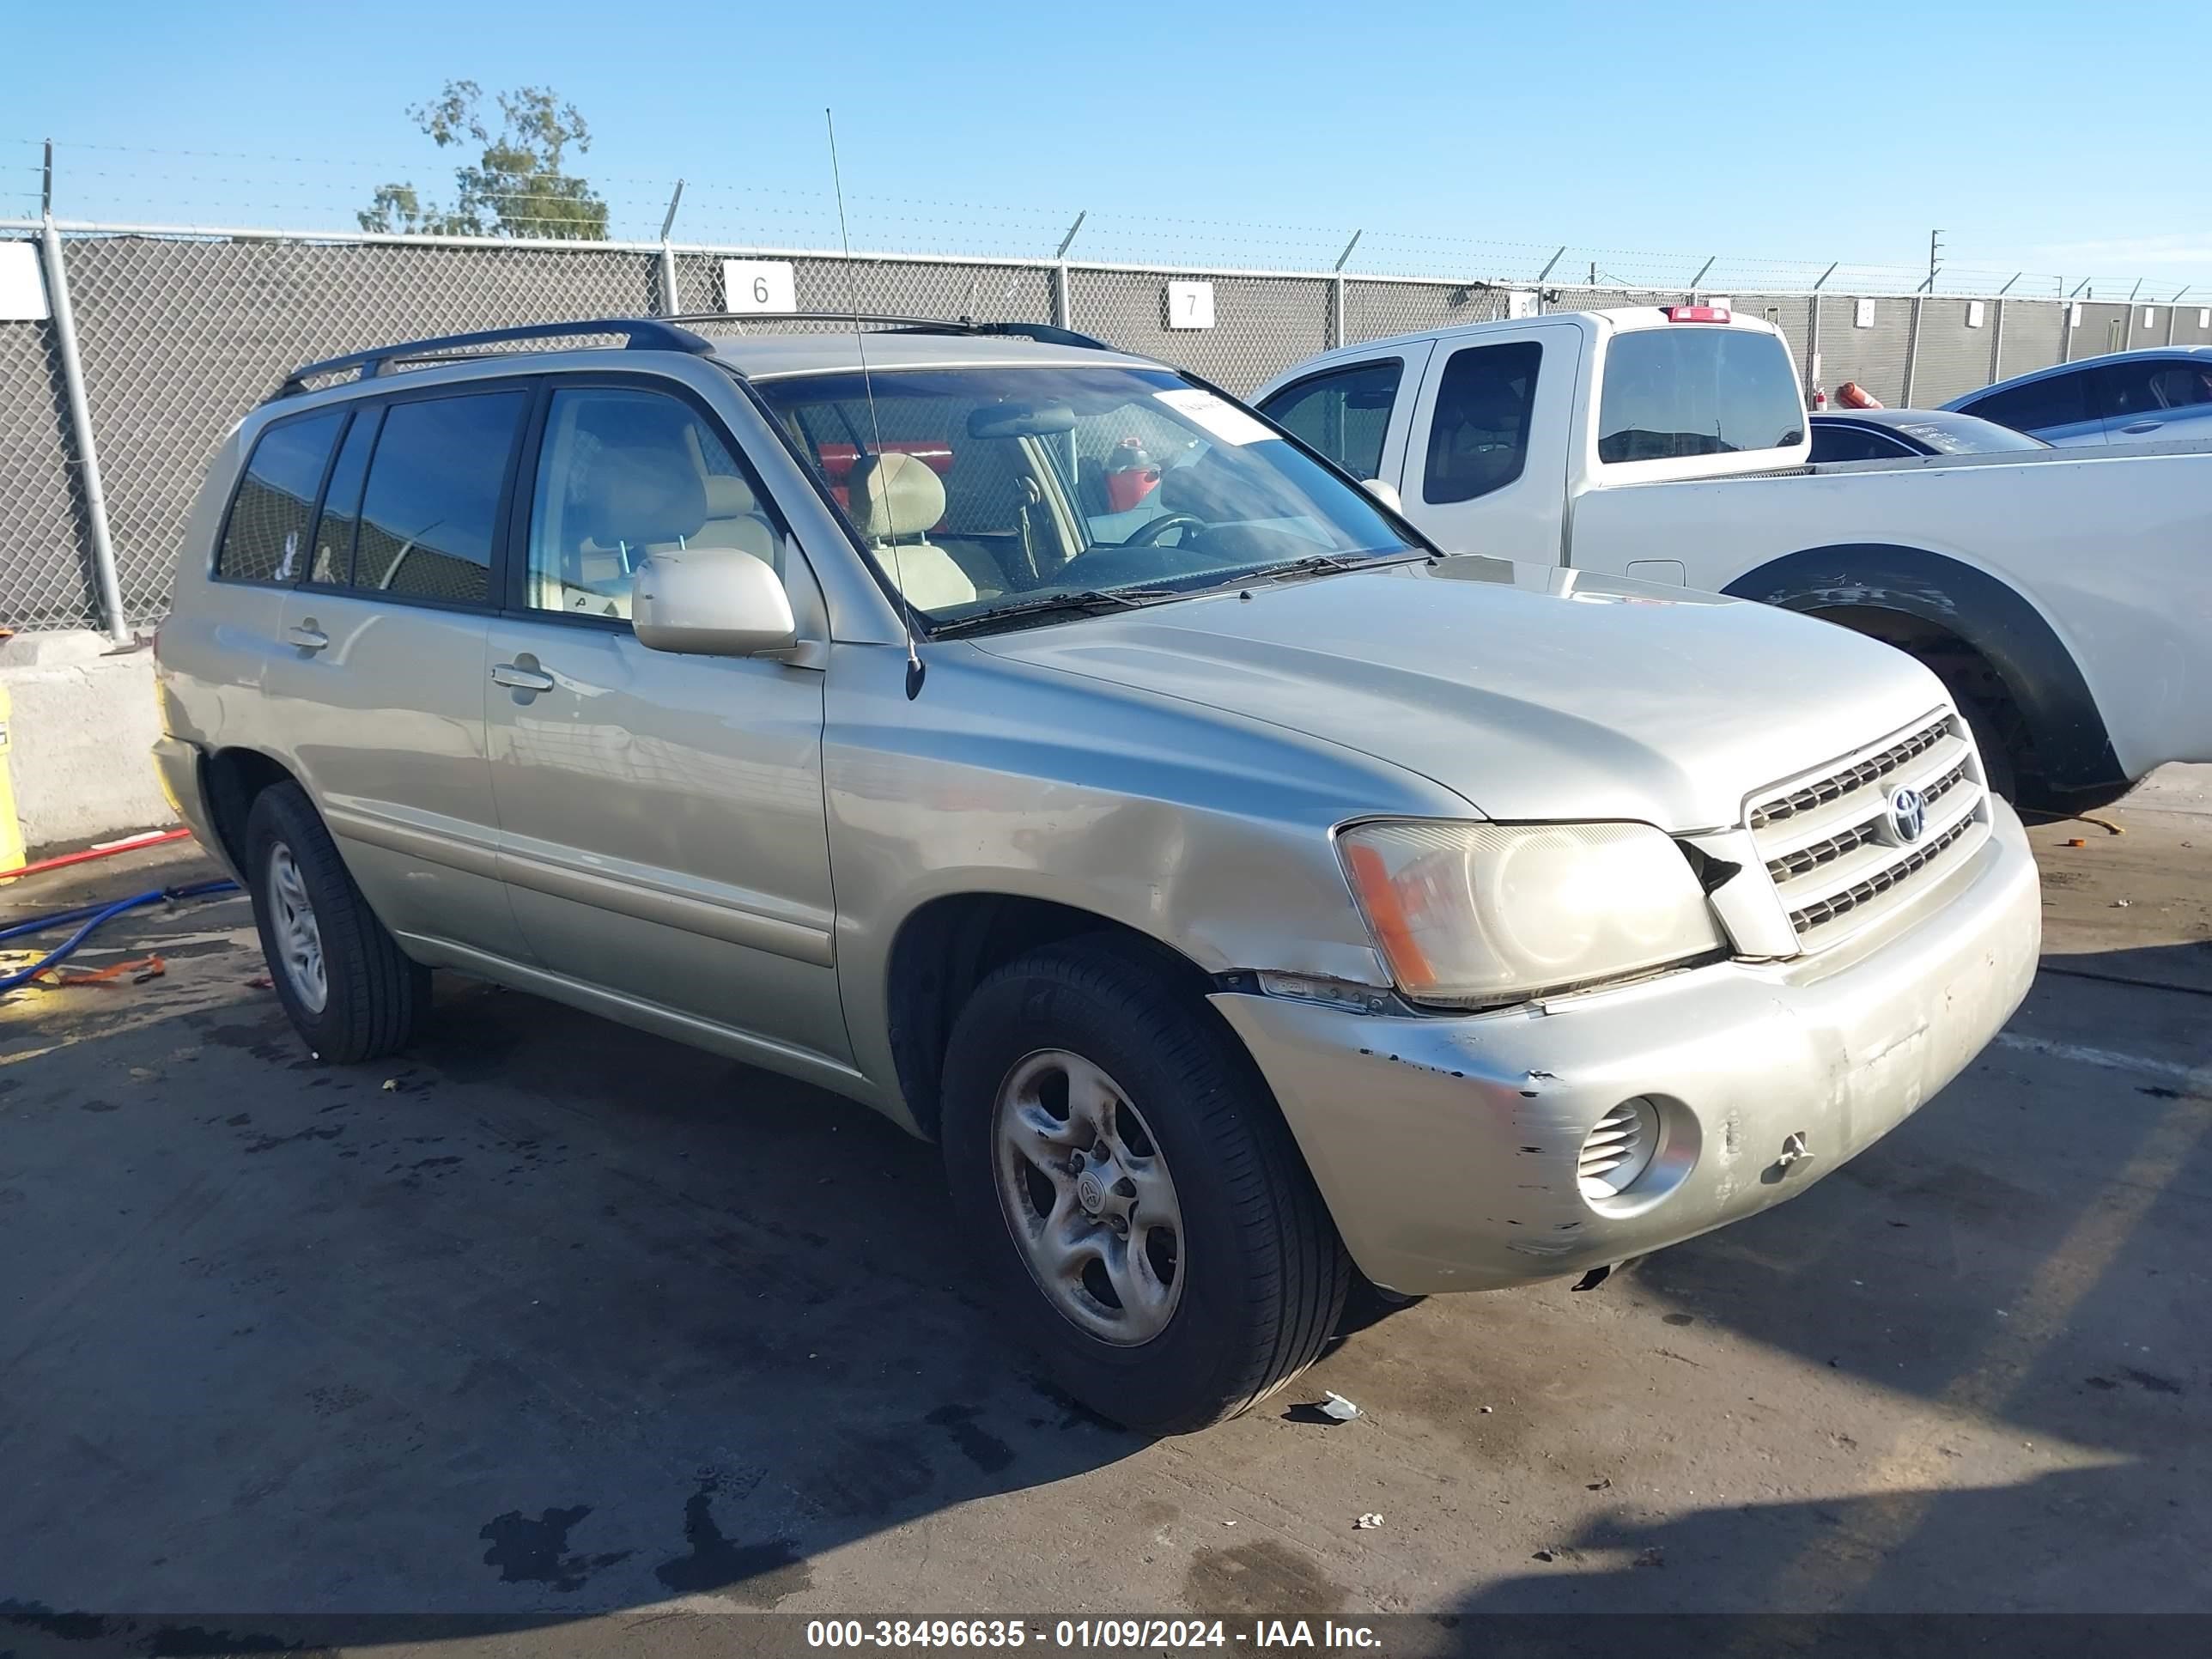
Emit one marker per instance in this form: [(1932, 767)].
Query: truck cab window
[(1694, 389)]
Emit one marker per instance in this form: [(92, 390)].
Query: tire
[(1252, 1278), (1999, 763), (370, 994)]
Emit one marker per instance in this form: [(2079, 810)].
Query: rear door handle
[(308, 637), (516, 677)]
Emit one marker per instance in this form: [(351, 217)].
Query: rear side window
[(1479, 433), (1694, 389), (432, 505), (1344, 414), (268, 524), (2056, 400)]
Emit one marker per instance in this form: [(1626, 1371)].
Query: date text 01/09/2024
[(1085, 1634)]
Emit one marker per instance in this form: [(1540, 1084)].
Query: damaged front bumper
[(1449, 1148)]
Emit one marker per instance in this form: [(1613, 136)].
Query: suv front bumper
[(1447, 1147)]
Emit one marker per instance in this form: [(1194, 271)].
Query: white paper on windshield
[(1218, 416)]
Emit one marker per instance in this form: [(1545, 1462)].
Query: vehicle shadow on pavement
[(548, 1316)]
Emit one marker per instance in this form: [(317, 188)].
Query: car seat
[(895, 502)]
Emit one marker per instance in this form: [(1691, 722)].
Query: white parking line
[(2197, 1077)]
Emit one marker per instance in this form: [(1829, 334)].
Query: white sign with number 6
[(1190, 305), (758, 287)]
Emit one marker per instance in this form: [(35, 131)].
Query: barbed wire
[(314, 194)]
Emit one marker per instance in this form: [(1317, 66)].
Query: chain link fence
[(181, 335)]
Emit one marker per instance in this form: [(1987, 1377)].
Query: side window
[(2181, 385), (1344, 413), (267, 529), (1479, 434), (334, 531), (432, 503), (2125, 390), (2054, 400), (624, 474)]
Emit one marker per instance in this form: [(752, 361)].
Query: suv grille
[(1833, 848)]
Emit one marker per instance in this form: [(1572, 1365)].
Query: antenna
[(914, 669)]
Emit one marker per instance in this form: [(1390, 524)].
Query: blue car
[(2129, 396)]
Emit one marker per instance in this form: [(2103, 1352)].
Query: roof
[(820, 352)]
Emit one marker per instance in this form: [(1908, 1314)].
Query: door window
[(334, 531), (624, 474), (2148, 387), (1344, 413), (2054, 400), (1478, 431), (431, 507), (268, 524)]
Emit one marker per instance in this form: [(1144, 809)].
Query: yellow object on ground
[(11, 827)]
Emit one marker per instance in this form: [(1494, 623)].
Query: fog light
[(1618, 1150)]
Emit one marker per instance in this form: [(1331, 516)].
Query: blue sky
[(1465, 139)]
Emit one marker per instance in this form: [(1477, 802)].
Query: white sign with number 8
[(758, 287)]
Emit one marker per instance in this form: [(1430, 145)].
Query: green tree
[(516, 186)]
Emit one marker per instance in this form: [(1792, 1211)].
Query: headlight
[(1476, 912)]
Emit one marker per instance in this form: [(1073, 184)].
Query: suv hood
[(1533, 692)]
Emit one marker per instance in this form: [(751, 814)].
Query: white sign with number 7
[(758, 287), (1190, 305)]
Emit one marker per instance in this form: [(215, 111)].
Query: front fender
[(2073, 746)]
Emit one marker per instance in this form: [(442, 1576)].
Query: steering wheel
[(1148, 535)]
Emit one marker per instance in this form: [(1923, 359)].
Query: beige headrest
[(728, 497), (894, 495)]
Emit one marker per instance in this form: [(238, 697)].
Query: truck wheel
[(341, 976), (1136, 1201), (1999, 766)]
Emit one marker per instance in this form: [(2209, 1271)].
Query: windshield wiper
[(1325, 564), (1086, 602)]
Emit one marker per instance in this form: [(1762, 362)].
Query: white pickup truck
[(2065, 596)]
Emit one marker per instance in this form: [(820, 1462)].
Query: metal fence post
[(1813, 348), (1063, 312), (669, 303), (1911, 351), (80, 412), (1996, 339)]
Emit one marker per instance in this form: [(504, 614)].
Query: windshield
[(1963, 434), (990, 488)]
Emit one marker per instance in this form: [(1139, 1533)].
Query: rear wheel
[(349, 990), (1134, 1198)]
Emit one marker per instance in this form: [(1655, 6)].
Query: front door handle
[(308, 637), (516, 677), (2144, 426)]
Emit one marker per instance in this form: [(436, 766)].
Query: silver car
[(2125, 397), (1032, 743)]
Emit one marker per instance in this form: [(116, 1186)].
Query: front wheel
[(1135, 1199)]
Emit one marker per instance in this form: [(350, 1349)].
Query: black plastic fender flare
[(2073, 748)]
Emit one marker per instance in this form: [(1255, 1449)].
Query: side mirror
[(1387, 494), (711, 602)]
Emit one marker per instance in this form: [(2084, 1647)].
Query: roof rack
[(1043, 333), (638, 334), (655, 334)]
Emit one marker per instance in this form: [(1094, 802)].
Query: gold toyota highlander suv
[(1030, 741)]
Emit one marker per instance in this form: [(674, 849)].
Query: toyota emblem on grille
[(1908, 816)]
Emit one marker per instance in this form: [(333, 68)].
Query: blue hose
[(90, 916)]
